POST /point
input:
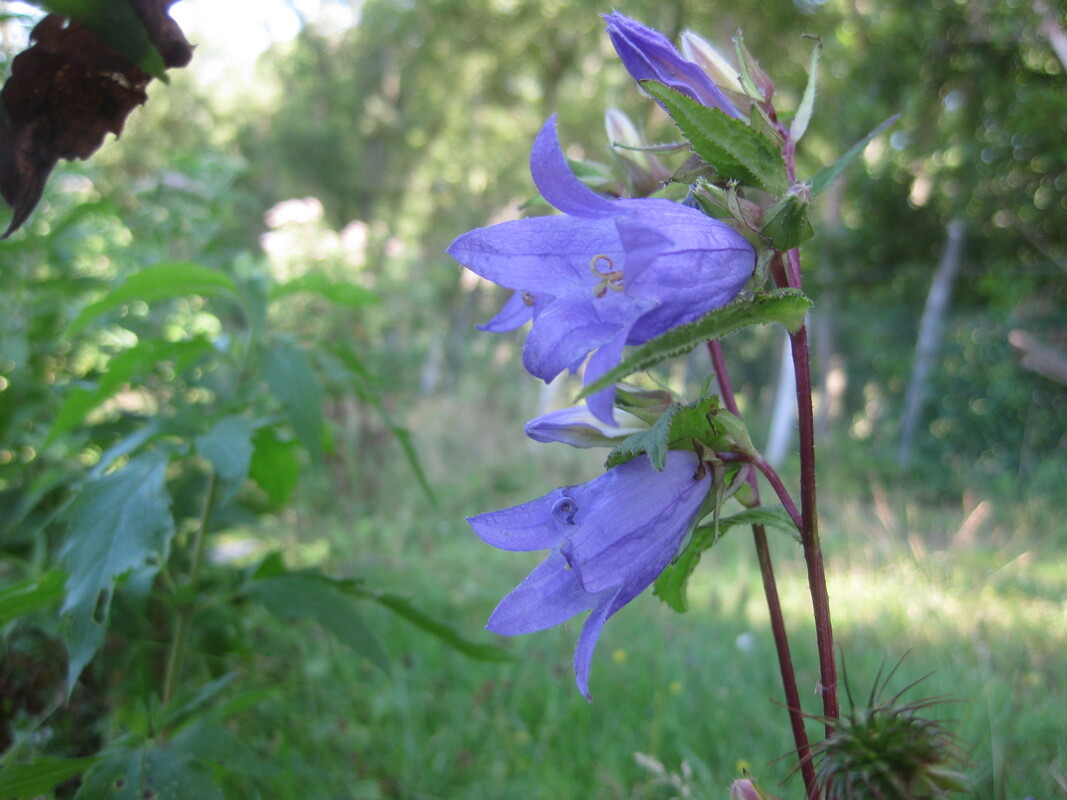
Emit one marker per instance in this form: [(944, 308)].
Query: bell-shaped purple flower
[(609, 539), (648, 55), (604, 274)]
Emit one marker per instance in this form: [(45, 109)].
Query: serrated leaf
[(163, 773), (785, 306), (289, 375), (827, 175), (734, 149), (671, 585), (701, 421), (807, 102), (118, 523), (159, 282), (339, 292), (404, 609), (275, 465), (228, 446), (40, 776), (317, 598), (30, 595)]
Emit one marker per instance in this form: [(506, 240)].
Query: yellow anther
[(611, 279)]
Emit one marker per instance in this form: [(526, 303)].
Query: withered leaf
[(68, 90)]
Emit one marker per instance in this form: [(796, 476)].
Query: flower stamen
[(611, 279)]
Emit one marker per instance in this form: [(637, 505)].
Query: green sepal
[(786, 223), (828, 174), (786, 306), (734, 149), (647, 406)]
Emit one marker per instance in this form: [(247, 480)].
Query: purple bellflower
[(608, 540), (648, 55), (604, 274)]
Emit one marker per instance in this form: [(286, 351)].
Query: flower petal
[(548, 596), (515, 313), (578, 427), (540, 254), (557, 184), (583, 653), (563, 335), (636, 530), (602, 403), (530, 526)]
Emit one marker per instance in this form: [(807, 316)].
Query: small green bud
[(786, 223)]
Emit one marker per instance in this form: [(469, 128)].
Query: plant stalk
[(188, 610), (770, 591)]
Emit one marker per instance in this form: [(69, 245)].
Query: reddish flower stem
[(770, 590)]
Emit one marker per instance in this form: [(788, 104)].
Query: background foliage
[(309, 319)]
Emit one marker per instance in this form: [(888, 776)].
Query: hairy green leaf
[(787, 306), (807, 102), (118, 523), (735, 150), (159, 282)]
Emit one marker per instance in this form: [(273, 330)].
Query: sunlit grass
[(981, 610)]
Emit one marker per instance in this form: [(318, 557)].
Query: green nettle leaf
[(313, 596), (39, 777), (671, 585), (402, 608), (289, 375), (786, 306), (30, 595), (228, 446), (275, 465), (121, 370), (162, 773), (735, 150), (116, 23), (159, 282), (341, 293), (827, 175), (116, 524), (702, 421)]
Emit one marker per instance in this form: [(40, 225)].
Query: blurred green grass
[(972, 596)]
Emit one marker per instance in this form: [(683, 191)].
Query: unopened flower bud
[(701, 53), (744, 789)]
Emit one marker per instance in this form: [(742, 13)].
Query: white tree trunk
[(930, 337)]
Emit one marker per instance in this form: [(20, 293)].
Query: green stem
[(188, 609)]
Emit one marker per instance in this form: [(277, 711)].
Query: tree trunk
[(930, 337)]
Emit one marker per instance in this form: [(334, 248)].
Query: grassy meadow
[(970, 595)]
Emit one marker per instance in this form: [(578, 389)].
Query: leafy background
[(244, 304)]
